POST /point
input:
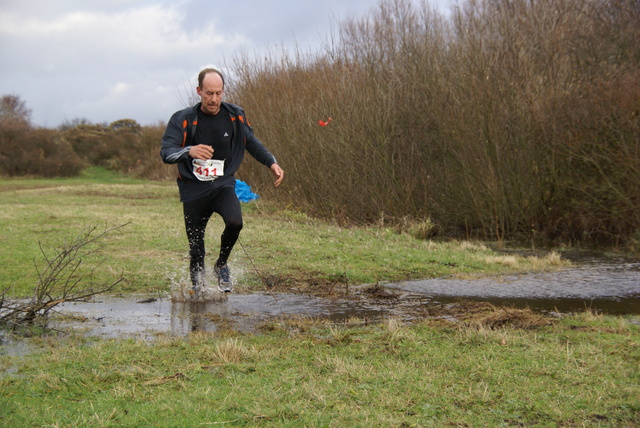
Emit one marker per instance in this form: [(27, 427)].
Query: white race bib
[(208, 170)]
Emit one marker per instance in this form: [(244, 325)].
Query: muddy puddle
[(117, 317), (611, 286)]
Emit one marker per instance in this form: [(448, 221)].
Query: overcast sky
[(105, 60)]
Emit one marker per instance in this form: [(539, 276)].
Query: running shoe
[(224, 278), (197, 288)]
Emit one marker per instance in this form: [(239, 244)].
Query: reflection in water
[(610, 287), (582, 282), (623, 306), (246, 312), (196, 316), (118, 317)]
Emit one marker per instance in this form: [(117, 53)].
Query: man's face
[(211, 93)]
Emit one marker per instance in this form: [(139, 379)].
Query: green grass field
[(575, 371), (581, 371), (150, 250)]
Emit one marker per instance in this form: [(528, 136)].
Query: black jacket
[(179, 136)]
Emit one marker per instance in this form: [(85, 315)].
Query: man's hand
[(201, 151), (278, 172)]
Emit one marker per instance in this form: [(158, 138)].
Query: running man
[(207, 142)]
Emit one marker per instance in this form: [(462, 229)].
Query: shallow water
[(116, 317), (610, 286)]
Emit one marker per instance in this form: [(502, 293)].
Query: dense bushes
[(39, 152), (510, 118), (122, 146), (27, 151)]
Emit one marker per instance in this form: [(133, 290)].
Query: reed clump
[(504, 120)]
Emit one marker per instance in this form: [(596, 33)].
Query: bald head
[(210, 89)]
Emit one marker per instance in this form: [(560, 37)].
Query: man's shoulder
[(185, 113), (233, 109)]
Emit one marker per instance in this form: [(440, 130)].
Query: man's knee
[(234, 224)]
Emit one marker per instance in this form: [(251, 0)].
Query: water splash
[(182, 291)]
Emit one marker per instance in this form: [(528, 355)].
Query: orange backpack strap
[(185, 125)]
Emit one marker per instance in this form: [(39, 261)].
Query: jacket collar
[(228, 107)]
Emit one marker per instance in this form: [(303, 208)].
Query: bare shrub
[(360, 165), (64, 278), (510, 119)]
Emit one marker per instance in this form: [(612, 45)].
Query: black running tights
[(196, 216)]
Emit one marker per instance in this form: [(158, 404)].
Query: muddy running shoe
[(224, 278), (197, 288)]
